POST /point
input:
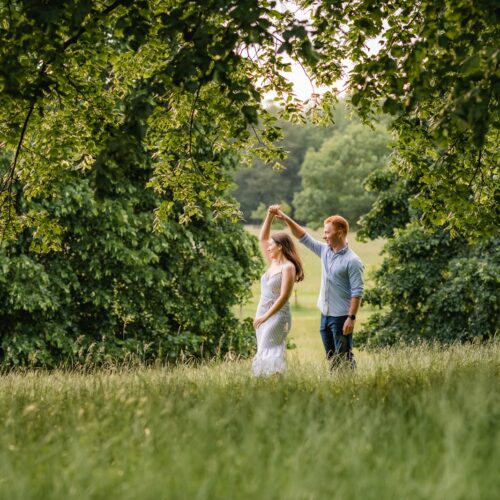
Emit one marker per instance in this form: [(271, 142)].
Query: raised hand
[(276, 211)]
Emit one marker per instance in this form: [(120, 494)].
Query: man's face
[(332, 234)]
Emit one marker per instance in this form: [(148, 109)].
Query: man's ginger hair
[(338, 221)]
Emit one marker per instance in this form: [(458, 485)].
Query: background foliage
[(430, 286), (333, 177), (324, 171), (116, 100), (262, 185), (116, 289), (259, 184)]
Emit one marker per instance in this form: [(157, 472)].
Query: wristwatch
[(352, 316)]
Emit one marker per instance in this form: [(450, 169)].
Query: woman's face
[(273, 249)]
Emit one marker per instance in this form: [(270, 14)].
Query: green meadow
[(411, 423)]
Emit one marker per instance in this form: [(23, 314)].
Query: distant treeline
[(324, 172)]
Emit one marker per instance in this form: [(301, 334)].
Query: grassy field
[(409, 424), (305, 315)]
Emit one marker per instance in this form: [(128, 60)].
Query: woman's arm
[(287, 282), (265, 232)]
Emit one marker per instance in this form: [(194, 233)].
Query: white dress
[(271, 335)]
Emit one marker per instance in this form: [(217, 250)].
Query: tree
[(333, 177), (111, 288), (260, 184), (430, 286), (112, 113), (437, 74)]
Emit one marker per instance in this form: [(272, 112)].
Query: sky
[(302, 85)]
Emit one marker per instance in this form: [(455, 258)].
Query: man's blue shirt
[(341, 277)]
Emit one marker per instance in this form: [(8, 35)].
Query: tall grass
[(418, 422)]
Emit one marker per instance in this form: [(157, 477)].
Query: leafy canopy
[(203, 67), (198, 68), (438, 74)]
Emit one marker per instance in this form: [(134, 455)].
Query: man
[(341, 284)]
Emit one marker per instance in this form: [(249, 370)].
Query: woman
[(273, 319)]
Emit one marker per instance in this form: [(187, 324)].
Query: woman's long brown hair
[(290, 252)]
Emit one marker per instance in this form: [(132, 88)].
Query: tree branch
[(10, 177), (476, 170), (191, 118), (7, 184), (79, 33)]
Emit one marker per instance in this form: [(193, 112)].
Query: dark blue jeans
[(338, 347)]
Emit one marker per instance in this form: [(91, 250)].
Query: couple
[(339, 297)]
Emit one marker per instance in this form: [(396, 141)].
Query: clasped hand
[(275, 210)]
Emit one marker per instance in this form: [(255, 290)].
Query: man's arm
[(297, 230), (353, 309), (356, 280)]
